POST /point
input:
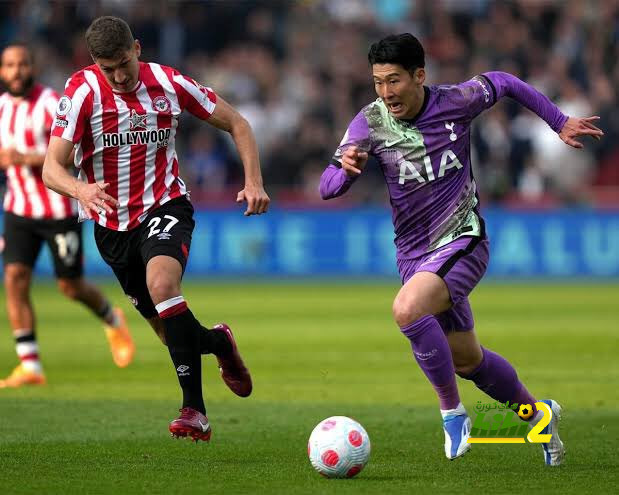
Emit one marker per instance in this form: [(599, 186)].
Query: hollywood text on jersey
[(158, 136)]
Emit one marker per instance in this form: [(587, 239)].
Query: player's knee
[(70, 288), (406, 311), (162, 288), (16, 277), (466, 367)]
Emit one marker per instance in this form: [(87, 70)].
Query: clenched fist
[(354, 160)]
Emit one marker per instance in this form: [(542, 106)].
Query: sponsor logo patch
[(64, 106), (158, 136)]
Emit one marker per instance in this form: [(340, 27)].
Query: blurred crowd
[(298, 71)]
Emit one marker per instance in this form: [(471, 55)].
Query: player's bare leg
[(181, 331), (465, 351), (17, 279), (185, 338), (115, 324), (424, 295), (496, 377)]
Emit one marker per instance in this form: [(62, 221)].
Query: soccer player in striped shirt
[(420, 136), (34, 214), (121, 115)]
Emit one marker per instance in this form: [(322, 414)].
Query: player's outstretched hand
[(354, 160), (93, 198), (257, 200), (575, 127)]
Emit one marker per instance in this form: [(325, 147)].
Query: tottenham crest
[(162, 104)]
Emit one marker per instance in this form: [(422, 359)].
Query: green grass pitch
[(315, 350)]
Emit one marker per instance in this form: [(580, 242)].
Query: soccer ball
[(525, 411), (339, 447)]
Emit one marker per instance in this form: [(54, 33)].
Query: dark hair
[(18, 44), (108, 37), (401, 49)]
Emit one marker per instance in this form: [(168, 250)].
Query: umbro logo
[(182, 369), (164, 236)]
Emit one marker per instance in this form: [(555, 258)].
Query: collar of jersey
[(135, 88)]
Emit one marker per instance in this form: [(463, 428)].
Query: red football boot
[(233, 371), (191, 423)]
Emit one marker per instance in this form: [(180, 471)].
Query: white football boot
[(457, 428), (553, 450)]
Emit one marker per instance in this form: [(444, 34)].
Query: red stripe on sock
[(29, 357), (174, 310)]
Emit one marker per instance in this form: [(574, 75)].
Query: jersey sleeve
[(475, 96), (192, 96), (357, 134), (49, 106), (505, 84), (334, 181), (73, 110), (485, 90)]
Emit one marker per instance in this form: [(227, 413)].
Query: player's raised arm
[(226, 118), (335, 180), (349, 159), (92, 197), (202, 102), (487, 89)]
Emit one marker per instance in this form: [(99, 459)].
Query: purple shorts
[(461, 264)]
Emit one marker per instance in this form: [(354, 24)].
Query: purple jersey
[(426, 161)]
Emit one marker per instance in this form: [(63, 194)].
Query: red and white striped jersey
[(128, 139), (25, 125)]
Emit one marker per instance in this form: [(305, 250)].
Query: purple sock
[(497, 378), (433, 355)]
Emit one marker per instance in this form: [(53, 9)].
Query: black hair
[(401, 49), (18, 44)]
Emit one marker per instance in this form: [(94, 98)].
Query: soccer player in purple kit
[(420, 136)]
